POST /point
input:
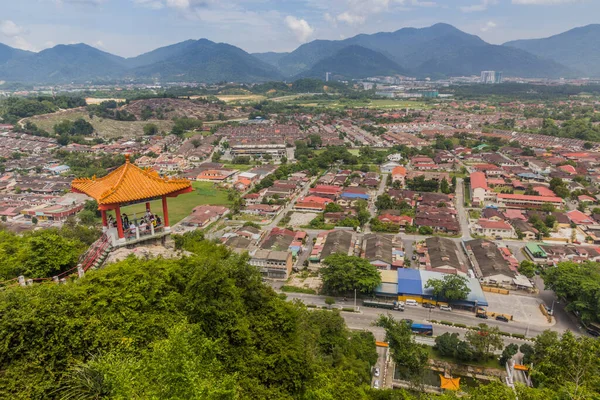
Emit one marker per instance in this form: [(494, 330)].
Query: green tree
[(409, 356), (508, 353), (447, 343), (445, 186), (150, 129), (87, 217), (450, 287), (333, 207), (527, 268), (343, 274), (484, 340)]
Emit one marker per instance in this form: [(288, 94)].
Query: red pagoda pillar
[(165, 214), (104, 221), (119, 223), (147, 206)]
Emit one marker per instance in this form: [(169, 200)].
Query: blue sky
[(132, 27)]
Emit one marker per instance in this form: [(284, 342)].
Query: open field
[(339, 104), (240, 97), (107, 128), (240, 167), (181, 206)]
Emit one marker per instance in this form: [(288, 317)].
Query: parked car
[(428, 305), (414, 257), (482, 316), (376, 373), (445, 308), (376, 384), (501, 318)]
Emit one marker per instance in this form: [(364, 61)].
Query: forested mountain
[(205, 61), (270, 57), (354, 62), (578, 48), (440, 50), (8, 53), (437, 51), (63, 64)]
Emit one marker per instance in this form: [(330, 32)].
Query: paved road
[(289, 205), (367, 316), (463, 217)]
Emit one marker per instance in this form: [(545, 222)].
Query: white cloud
[(99, 44), (351, 19), (482, 6), (544, 2), (21, 43), (301, 29), (9, 29), (153, 4), (180, 4), (488, 26)]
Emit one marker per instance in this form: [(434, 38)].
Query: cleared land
[(107, 128), (240, 97), (181, 206), (339, 104)]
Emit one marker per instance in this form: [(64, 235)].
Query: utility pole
[(354, 299)]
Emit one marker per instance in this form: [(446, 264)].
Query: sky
[(132, 27)]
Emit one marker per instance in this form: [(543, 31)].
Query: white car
[(376, 373), (376, 384), (445, 308)]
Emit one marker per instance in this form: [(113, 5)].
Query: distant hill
[(430, 48), (8, 53), (62, 64), (578, 48), (473, 60), (160, 54), (440, 50), (206, 61), (354, 62), (270, 57)]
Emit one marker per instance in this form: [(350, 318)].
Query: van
[(445, 308), (411, 302)]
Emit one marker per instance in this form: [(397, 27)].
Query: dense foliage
[(204, 327), (343, 274), (13, 109), (43, 253), (579, 285)]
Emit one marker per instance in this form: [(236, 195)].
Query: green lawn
[(181, 206), (490, 363), (239, 167)]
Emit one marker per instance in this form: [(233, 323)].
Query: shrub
[(504, 333), (460, 325), (294, 289), (446, 323), (348, 309), (518, 335)]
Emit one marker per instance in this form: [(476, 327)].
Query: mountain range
[(437, 51)]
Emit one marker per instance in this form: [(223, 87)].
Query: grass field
[(107, 128), (239, 167), (240, 97), (339, 104), (181, 206)]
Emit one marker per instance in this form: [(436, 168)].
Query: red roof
[(478, 180), (568, 169), (543, 199), (544, 191), (328, 189), (491, 224), (580, 218), (315, 199), (400, 170)]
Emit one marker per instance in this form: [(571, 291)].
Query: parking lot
[(301, 218), (522, 308)]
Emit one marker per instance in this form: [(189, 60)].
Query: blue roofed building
[(410, 284)]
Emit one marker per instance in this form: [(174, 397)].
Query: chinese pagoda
[(127, 185)]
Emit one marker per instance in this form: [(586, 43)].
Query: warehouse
[(410, 284)]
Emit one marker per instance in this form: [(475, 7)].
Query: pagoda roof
[(129, 183)]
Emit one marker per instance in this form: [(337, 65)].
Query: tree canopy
[(342, 274), (450, 287)]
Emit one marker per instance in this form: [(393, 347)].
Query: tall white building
[(327, 75), (491, 77)]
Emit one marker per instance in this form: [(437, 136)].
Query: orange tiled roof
[(128, 183)]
